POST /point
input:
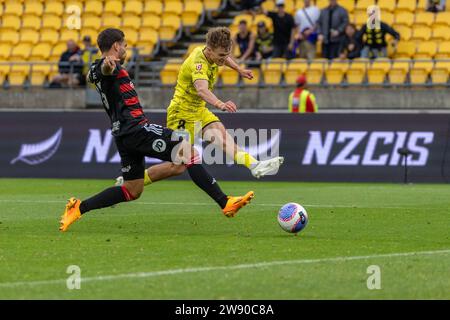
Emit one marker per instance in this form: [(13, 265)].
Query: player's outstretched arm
[(203, 91), (109, 65), (245, 73)]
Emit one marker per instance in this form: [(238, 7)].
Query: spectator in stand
[(263, 42), (331, 25), (284, 31), (250, 6), (301, 100), (306, 21), (436, 5), (245, 39), (89, 54), (375, 45), (351, 45), (69, 67)]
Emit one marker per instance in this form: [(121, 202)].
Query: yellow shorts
[(183, 122)]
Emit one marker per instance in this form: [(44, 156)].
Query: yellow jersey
[(195, 67)]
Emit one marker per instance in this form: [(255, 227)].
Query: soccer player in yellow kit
[(193, 91)]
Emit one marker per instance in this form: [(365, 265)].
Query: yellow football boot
[(71, 214), (236, 203)]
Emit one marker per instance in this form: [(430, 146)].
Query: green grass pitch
[(174, 243)]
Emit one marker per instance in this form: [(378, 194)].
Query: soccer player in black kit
[(136, 138)]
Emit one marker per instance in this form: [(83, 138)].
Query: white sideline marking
[(217, 268), (211, 203)]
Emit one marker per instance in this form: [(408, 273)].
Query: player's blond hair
[(219, 37)]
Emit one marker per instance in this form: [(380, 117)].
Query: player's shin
[(106, 198)]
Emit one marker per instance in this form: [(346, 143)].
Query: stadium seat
[(94, 7), (191, 48), (315, 71), (5, 51), (240, 17), (173, 6), (440, 73), (113, 7), (33, 7), (442, 18), (421, 6), (336, 72), (169, 73), (148, 37), (268, 5), (57, 50), (18, 74), (133, 7), (111, 21), (441, 33), (77, 3), (9, 36), (443, 51), (424, 19), (386, 6), (260, 17), (362, 6), (67, 34), (31, 22), (212, 5), (399, 71), (20, 52), (273, 70), (289, 6), (228, 76), (356, 72), (293, 69), (54, 7), (421, 33), (13, 8), (29, 36), (51, 21), (4, 71), (256, 77), (360, 18), (420, 72), (426, 50), (91, 21), (49, 36), (153, 6), (322, 3), (93, 33), (192, 13), (388, 18), (39, 73), (404, 18), (347, 4), (170, 23), (405, 49), (404, 31), (11, 22), (40, 52), (131, 20), (376, 74), (151, 20), (131, 35), (405, 6)]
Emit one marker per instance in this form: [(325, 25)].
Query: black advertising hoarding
[(319, 147)]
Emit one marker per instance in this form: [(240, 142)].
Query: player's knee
[(134, 189), (178, 169)]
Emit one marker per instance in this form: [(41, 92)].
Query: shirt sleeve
[(199, 71)]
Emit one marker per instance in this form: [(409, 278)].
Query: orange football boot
[(71, 214), (236, 203)]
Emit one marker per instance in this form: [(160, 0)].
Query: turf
[(175, 226)]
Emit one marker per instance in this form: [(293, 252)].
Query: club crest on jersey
[(159, 145), (199, 67)]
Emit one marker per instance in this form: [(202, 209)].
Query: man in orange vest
[(301, 100)]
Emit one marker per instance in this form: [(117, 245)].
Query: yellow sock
[(147, 179), (244, 158)]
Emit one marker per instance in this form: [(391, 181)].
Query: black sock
[(207, 183), (106, 198)]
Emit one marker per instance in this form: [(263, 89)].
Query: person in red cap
[(301, 100)]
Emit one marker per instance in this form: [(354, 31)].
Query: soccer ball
[(292, 217)]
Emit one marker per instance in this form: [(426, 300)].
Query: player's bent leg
[(235, 203)]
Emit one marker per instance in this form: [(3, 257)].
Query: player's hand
[(109, 64), (228, 106), (246, 73)]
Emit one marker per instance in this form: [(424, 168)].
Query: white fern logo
[(37, 153)]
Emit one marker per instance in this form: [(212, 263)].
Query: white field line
[(211, 203), (222, 268)]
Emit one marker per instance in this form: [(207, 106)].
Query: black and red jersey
[(119, 99)]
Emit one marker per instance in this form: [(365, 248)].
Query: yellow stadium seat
[(34, 7), (426, 50), (133, 7), (5, 51), (1, 10), (440, 72), (247, 17), (31, 22), (4, 71), (41, 51), (421, 33), (315, 71), (322, 3), (131, 35), (443, 18), (377, 71), (336, 72), (29, 36), (57, 50), (169, 73), (170, 24), (256, 77), (93, 33), (192, 13), (404, 31), (443, 51), (67, 34), (131, 20), (362, 5), (50, 36), (51, 21), (91, 21), (424, 18), (347, 4), (18, 74), (151, 20), (421, 6), (14, 8), (405, 49), (191, 48), (289, 6), (145, 47), (260, 17), (10, 21), (148, 35), (111, 21), (388, 18), (173, 6), (54, 7), (77, 3), (356, 72), (404, 18), (441, 33), (228, 76), (9, 36), (360, 18), (420, 72), (295, 68), (212, 5), (386, 6), (39, 73), (20, 52), (399, 71), (272, 71), (113, 7), (94, 7), (405, 6), (268, 5), (153, 6)]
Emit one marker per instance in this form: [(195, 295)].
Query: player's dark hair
[(108, 37), (219, 37)]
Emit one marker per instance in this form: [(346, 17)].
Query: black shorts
[(150, 141)]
